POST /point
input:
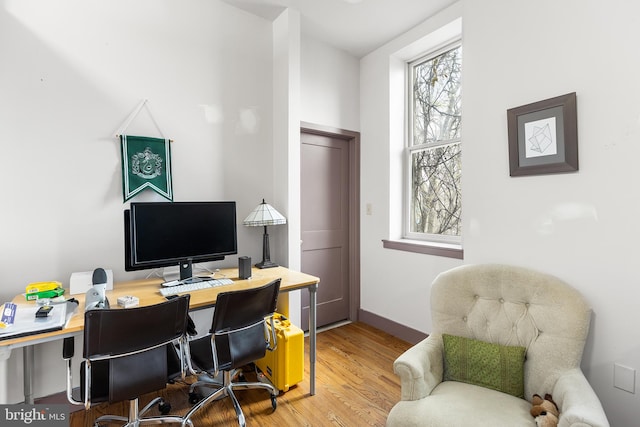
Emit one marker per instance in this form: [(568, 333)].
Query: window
[(433, 153)]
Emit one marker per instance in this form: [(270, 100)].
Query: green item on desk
[(45, 294)]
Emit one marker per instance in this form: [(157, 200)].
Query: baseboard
[(403, 332)]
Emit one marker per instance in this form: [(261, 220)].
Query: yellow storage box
[(35, 287), (284, 366)]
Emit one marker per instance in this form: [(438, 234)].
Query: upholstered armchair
[(509, 307)]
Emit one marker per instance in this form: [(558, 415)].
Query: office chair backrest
[(237, 309), (120, 331), (237, 341), (112, 335)]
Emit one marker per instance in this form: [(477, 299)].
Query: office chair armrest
[(270, 334), (420, 368), (577, 401), (68, 350), (197, 359), (189, 368), (214, 352), (183, 355)]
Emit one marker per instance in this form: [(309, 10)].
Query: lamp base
[(266, 264)]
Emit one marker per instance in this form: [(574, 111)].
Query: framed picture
[(543, 137)]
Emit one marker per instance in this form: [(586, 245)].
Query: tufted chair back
[(515, 306)]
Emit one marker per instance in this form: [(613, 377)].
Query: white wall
[(580, 226), (72, 71), (330, 88), (395, 284)]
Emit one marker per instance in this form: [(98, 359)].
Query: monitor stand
[(186, 269)]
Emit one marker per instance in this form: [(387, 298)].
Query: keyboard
[(194, 286)]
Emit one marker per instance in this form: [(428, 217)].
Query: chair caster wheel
[(164, 407), (194, 398), (274, 402)]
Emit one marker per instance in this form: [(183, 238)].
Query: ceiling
[(356, 26)]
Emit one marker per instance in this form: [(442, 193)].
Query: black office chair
[(127, 353), (239, 336)]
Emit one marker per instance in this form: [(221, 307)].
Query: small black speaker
[(244, 267)]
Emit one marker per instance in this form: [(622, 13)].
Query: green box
[(45, 294)]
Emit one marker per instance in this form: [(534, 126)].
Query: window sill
[(429, 248)]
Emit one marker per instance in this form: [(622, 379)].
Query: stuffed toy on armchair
[(544, 411)]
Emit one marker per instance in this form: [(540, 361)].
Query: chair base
[(226, 390), (136, 418), (208, 385)]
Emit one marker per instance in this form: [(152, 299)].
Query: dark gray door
[(325, 225)]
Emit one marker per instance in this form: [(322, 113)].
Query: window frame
[(409, 149)]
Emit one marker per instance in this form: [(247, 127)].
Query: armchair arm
[(579, 405), (420, 368)]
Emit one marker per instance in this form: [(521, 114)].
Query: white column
[(286, 146)]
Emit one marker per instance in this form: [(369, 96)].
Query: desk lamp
[(264, 215)]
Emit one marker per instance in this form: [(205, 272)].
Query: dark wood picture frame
[(543, 137)]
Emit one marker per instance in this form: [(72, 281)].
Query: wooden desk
[(148, 292)]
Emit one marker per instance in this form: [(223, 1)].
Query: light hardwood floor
[(355, 386)]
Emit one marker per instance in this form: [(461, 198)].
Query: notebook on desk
[(26, 323)]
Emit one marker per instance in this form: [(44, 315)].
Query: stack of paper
[(26, 323)]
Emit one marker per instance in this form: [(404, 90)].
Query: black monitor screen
[(170, 233)]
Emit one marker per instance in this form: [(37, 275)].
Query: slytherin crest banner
[(146, 163)]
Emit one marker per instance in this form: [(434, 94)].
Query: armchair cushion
[(494, 366), (456, 404)]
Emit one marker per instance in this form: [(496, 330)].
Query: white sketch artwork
[(540, 138)]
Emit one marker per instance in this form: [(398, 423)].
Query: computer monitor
[(165, 234)]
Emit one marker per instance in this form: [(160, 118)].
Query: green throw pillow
[(493, 366)]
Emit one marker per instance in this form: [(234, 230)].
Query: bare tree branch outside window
[(436, 199)]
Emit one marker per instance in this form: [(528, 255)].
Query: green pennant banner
[(146, 163)]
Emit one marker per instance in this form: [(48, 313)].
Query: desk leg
[(5, 353), (27, 362), (312, 336)]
